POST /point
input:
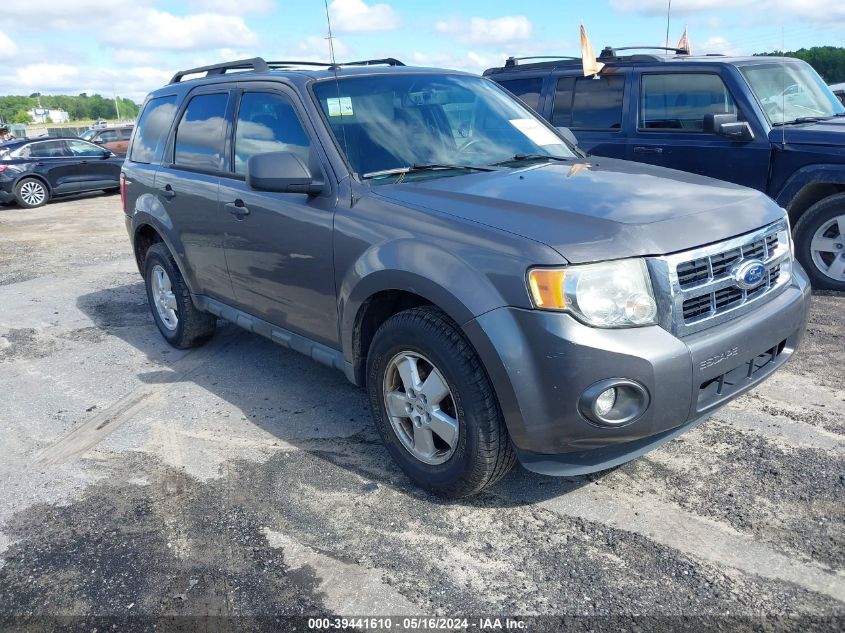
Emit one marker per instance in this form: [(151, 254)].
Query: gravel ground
[(241, 479)]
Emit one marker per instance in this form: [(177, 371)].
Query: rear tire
[(178, 319), (479, 453), (820, 243), (31, 193)]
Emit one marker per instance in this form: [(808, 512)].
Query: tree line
[(829, 61), (14, 109)]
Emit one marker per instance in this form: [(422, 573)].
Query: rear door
[(187, 188), (54, 161), (593, 107), (279, 245), (669, 128)]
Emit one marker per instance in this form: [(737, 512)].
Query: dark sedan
[(33, 171)]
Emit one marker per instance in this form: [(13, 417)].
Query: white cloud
[(77, 14), (356, 15), (717, 44), (8, 48), (818, 11), (230, 7), (165, 31), (471, 61), (483, 31)]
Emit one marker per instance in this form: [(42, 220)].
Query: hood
[(831, 133), (596, 209)]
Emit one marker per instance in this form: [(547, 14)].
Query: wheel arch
[(34, 176), (146, 232), (808, 186)]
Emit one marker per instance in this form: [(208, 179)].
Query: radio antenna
[(668, 16), (337, 86), (330, 38)]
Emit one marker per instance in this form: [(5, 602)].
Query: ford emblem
[(748, 274)]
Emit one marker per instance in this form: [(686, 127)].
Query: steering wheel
[(469, 144)]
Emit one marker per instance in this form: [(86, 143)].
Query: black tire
[(483, 454), (194, 327), (813, 220), (27, 185)]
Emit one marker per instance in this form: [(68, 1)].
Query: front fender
[(418, 267), (806, 177)]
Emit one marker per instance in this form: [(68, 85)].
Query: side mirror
[(728, 125), (283, 172), (106, 153), (98, 141), (566, 133)]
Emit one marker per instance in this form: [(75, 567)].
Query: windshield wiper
[(802, 119), (517, 158), (402, 171)]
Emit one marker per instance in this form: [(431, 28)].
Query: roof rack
[(611, 53), (256, 64), (259, 65), (510, 62)]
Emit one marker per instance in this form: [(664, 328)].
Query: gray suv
[(499, 294)]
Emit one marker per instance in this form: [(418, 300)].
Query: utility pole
[(116, 106), (668, 15)]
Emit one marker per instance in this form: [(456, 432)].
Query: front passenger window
[(681, 101), (267, 123)]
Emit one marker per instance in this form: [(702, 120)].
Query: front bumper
[(541, 362), (5, 196)]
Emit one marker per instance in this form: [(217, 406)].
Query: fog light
[(614, 402), (605, 401)]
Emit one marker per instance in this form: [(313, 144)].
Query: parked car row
[(500, 295), (729, 118), (115, 139)]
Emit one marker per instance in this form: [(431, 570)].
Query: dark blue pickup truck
[(764, 122)]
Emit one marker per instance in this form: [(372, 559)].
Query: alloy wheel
[(164, 298), (33, 193), (421, 408), (828, 248)]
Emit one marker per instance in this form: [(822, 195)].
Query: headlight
[(609, 294)]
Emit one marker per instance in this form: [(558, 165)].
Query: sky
[(130, 47)]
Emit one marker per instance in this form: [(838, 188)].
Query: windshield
[(389, 122), (88, 134), (791, 92)]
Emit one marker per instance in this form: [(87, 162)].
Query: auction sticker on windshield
[(340, 106), (535, 131)]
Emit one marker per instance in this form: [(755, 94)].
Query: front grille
[(700, 284)]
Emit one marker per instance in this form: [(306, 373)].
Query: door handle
[(168, 192), (648, 150), (238, 209)]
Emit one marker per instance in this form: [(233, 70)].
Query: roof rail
[(256, 64), (610, 52), (510, 62), (385, 61), (259, 65)]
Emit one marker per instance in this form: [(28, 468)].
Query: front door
[(670, 129), (279, 245), (94, 169)]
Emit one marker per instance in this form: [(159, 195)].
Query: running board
[(323, 354)]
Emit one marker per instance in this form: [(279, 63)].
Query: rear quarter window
[(153, 126)]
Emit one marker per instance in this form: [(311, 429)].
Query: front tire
[(178, 319), (434, 406), (820, 243), (31, 193)]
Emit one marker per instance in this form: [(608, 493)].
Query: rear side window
[(267, 123), (597, 103), (681, 101), (201, 134), (49, 149), (153, 126), (528, 90)]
